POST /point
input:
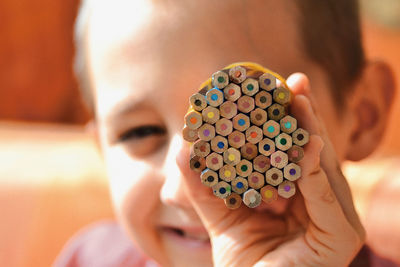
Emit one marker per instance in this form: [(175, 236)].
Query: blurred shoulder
[(375, 184), (101, 244)]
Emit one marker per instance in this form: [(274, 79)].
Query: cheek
[(132, 182), (338, 133), (135, 188), (336, 123)]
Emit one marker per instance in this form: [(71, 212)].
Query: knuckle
[(324, 192), (316, 170), (356, 239), (327, 195)]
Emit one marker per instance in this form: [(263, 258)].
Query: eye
[(141, 132), (143, 141)]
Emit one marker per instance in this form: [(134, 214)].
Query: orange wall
[(35, 66)]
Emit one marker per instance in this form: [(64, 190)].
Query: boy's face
[(145, 61)]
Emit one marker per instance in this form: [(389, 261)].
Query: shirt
[(104, 244)]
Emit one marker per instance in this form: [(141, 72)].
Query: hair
[(331, 38)]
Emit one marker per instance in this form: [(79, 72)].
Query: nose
[(173, 189)]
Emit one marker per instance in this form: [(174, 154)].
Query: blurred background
[(52, 179)]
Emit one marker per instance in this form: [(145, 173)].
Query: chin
[(185, 248)]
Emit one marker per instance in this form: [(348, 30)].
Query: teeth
[(196, 236), (179, 232)]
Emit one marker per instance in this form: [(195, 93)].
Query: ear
[(370, 105)]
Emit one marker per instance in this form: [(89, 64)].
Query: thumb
[(212, 211)]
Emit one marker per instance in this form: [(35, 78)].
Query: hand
[(318, 227)]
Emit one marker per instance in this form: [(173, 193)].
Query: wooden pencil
[(198, 102), (288, 124), (279, 159), (292, 172), (250, 87), (220, 79), (189, 135), (222, 189), (254, 134), (282, 96), (227, 173), (271, 128), (261, 163), (237, 74), (239, 185), (210, 115), (251, 198), (276, 112), (236, 139), (232, 156), (258, 116), (197, 163), (249, 151), (206, 132), (245, 104), (209, 177), (241, 122), (244, 168), (269, 194), (201, 148), (300, 137), (274, 176), (215, 97), (224, 127), (286, 189), (219, 144), (267, 81), (283, 141), (295, 153), (233, 201), (228, 109), (263, 99), (193, 120), (256, 180), (214, 161), (266, 147), (232, 92)]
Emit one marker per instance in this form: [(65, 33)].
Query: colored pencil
[(209, 177), (233, 201), (250, 87), (251, 198)]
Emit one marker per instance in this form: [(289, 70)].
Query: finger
[(332, 228), (307, 118), (299, 84), (320, 200)]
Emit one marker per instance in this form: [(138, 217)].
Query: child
[(139, 61)]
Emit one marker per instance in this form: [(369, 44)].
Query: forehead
[(140, 46)]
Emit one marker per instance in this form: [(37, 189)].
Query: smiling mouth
[(188, 234)]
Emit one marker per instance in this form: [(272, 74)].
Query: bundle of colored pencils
[(245, 143)]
